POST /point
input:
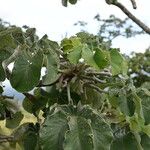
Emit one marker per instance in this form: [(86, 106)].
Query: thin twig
[(133, 4), (4, 138), (99, 73), (4, 97), (69, 95), (129, 14), (95, 79), (97, 88)]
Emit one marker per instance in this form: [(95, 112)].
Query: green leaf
[(75, 55), (26, 136), (87, 55), (81, 127), (127, 142), (79, 137), (146, 129), (101, 58), (123, 102), (145, 105), (15, 120), (145, 142), (52, 132), (6, 41), (118, 64), (3, 56), (73, 1), (66, 45), (101, 132), (92, 97), (26, 72), (75, 41), (52, 68), (30, 141), (136, 124), (27, 105), (1, 90), (34, 103)]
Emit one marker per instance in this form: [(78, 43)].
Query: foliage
[(139, 65), (113, 27), (85, 100)]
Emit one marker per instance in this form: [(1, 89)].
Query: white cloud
[(50, 17)]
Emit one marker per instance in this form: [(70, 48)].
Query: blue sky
[(50, 17)]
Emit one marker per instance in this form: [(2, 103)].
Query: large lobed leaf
[(72, 128)]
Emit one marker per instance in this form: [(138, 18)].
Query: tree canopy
[(90, 97)]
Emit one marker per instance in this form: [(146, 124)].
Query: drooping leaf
[(26, 72), (101, 58), (118, 64), (52, 68), (53, 130), (79, 137), (75, 55), (87, 55), (101, 132), (3, 56)]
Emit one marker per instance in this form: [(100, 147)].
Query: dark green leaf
[(3, 56), (80, 136), (26, 72), (101, 132), (126, 142), (73, 1), (145, 142), (53, 130), (52, 68), (15, 120), (1, 90)]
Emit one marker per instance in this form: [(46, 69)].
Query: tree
[(85, 100), (122, 7)]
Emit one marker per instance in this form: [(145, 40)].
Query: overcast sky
[(50, 17)]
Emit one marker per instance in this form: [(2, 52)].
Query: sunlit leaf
[(87, 55)]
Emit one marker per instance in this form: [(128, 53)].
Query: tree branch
[(133, 4), (4, 138), (129, 14)]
